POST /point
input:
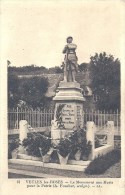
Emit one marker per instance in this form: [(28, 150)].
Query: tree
[(58, 70), (105, 80), (27, 70), (13, 90), (83, 66), (33, 91), (55, 70)]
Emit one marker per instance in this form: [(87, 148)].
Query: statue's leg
[(70, 76), (65, 76), (73, 75), (65, 73)]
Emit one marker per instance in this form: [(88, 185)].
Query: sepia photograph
[(62, 83)]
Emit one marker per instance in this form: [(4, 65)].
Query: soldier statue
[(70, 61)]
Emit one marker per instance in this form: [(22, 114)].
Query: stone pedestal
[(68, 109), (23, 129), (110, 133)]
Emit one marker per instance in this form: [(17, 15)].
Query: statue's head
[(69, 39)]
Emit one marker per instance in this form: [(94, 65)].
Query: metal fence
[(42, 118), (35, 118), (100, 118)]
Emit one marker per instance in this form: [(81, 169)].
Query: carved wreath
[(59, 116)]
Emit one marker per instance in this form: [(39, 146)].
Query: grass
[(100, 164)]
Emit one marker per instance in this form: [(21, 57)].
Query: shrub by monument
[(75, 142), (34, 141), (80, 143), (64, 147), (13, 144), (100, 164)]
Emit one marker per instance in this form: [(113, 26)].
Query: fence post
[(90, 137), (117, 116), (23, 128), (17, 118), (110, 134)]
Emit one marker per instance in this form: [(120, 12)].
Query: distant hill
[(54, 75), (81, 77), (33, 70)]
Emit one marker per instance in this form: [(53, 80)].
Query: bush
[(33, 91), (79, 142), (12, 144), (100, 164), (63, 147), (34, 141)]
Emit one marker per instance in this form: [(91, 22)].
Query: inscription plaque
[(68, 116)]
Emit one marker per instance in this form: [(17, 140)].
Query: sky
[(35, 32)]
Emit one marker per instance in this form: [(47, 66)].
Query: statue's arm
[(65, 49)]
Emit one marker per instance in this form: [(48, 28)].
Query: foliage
[(33, 70), (87, 149), (30, 91), (63, 147), (83, 66), (105, 80), (54, 157), (100, 164), (22, 104), (70, 144), (34, 141), (55, 70), (79, 142), (33, 91), (13, 90), (12, 145), (27, 70)]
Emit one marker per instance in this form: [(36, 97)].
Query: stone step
[(54, 169), (79, 162), (31, 173), (70, 162), (72, 167)]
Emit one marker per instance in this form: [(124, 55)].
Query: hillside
[(81, 77)]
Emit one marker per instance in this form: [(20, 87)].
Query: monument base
[(69, 91), (68, 113)]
